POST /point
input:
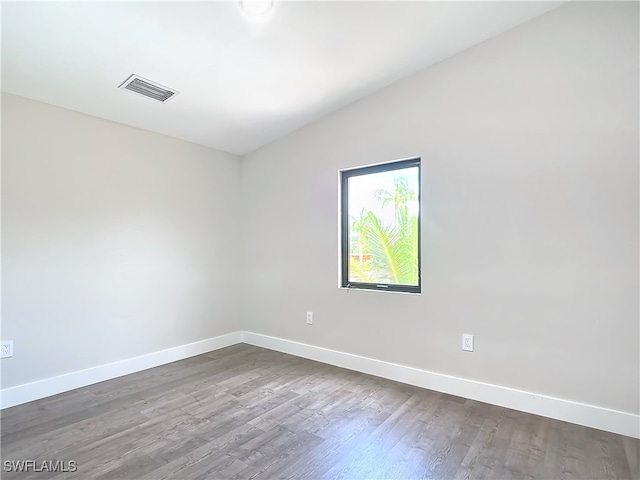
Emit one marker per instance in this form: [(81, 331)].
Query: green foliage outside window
[(386, 251)]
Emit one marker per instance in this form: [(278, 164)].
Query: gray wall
[(116, 242), (530, 154)]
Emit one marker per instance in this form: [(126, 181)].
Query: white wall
[(530, 155), (116, 242)]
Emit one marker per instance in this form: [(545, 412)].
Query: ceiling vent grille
[(147, 88)]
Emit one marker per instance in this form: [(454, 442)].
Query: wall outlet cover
[(467, 342), (6, 350)]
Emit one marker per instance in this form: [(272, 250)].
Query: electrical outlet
[(467, 342), (309, 318), (7, 349)]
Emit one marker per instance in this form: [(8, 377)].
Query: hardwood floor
[(246, 412)]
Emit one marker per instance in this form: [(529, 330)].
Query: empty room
[(265, 239)]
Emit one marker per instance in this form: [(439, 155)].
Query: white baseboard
[(566, 410), (559, 409), (63, 383)]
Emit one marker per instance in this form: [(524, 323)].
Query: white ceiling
[(242, 84)]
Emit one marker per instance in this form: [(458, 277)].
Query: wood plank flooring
[(244, 412)]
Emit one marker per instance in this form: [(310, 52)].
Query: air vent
[(153, 90)]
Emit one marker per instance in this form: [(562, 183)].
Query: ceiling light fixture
[(256, 8)]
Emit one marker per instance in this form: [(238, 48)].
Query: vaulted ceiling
[(242, 83)]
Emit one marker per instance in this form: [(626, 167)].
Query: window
[(380, 227)]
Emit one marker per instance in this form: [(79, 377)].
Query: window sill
[(355, 289)]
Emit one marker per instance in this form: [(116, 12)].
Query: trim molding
[(565, 410), (53, 385)]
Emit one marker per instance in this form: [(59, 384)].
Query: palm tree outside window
[(380, 227)]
